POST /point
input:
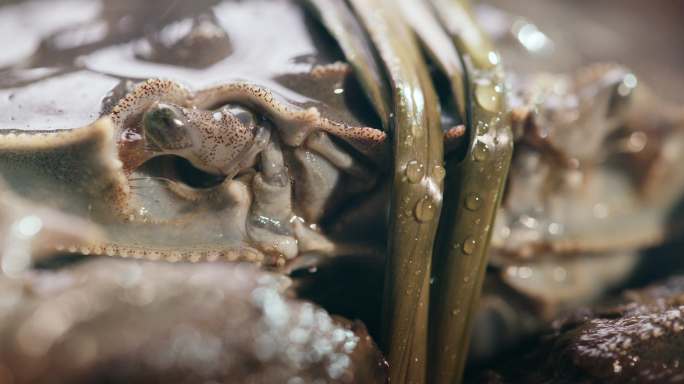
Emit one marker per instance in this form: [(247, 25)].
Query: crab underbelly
[(252, 217)]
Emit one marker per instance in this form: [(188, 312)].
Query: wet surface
[(57, 70), (636, 339), (562, 36), (120, 321), (64, 72)]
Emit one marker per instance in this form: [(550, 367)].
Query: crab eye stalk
[(165, 126)]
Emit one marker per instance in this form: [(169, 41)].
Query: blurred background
[(647, 36)]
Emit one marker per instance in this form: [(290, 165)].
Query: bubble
[(629, 82), (637, 141), (29, 226), (473, 201), (600, 211), (617, 368), (487, 96), (493, 57), (531, 37), (525, 272), (16, 259), (555, 228), (129, 135), (469, 245), (480, 151), (560, 274), (528, 221), (414, 171), (425, 209), (439, 172)]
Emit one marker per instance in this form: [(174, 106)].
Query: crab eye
[(165, 126)]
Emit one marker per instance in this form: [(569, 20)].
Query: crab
[(345, 147), (277, 204)]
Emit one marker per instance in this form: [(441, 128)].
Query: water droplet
[(439, 172), (628, 84), (601, 211), (425, 209), (493, 58), (455, 312), (525, 272), (29, 226), (531, 37), (487, 96), (617, 368), (555, 228), (473, 201), (130, 136), (469, 245), (414, 171), (560, 274), (480, 151), (637, 142)]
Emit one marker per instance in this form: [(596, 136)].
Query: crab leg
[(416, 197), (474, 188), (294, 123), (324, 146), (271, 211), (425, 25), (340, 21)]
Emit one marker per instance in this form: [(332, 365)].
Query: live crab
[(394, 147)]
